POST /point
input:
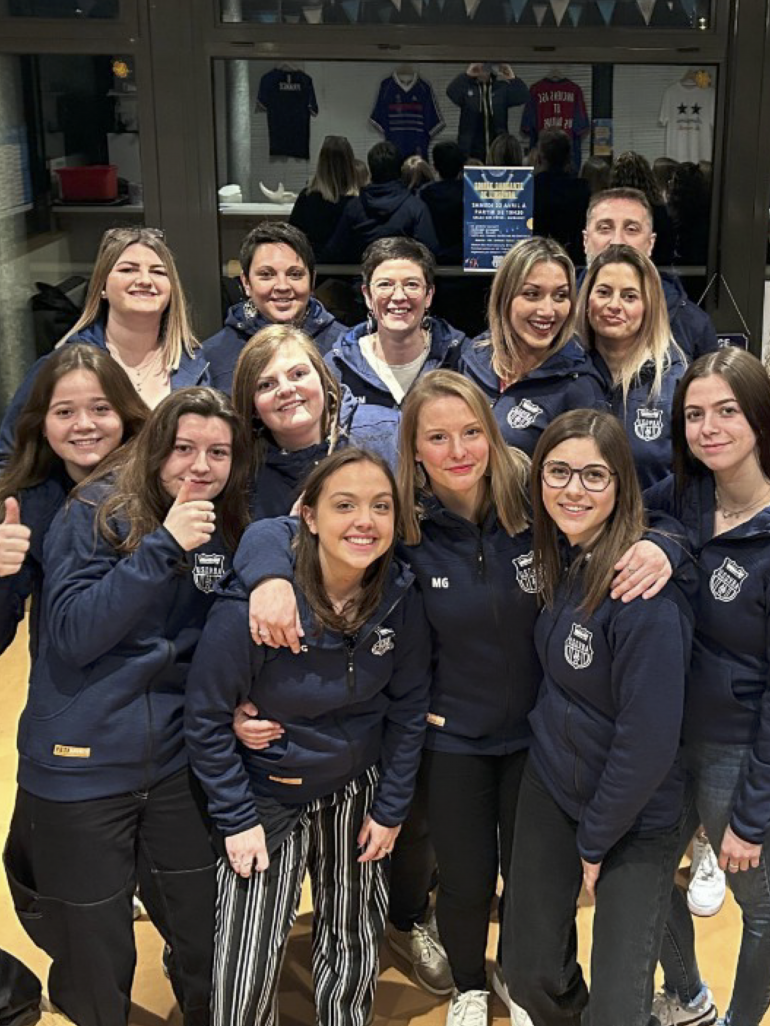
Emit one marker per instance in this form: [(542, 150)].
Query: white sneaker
[(137, 908), (669, 1011), (706, 892), (424, 952), (518, 1016), (471, 1008)]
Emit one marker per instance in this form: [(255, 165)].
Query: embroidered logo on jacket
[(209, 567), (648, 424), (726, 581), (439, 582), (386, 640), (523, 415), (577, 648), (526, 575)]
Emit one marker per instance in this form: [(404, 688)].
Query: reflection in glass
[(61, 8)]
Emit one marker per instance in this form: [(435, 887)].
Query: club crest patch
[(386, 641), (578, 650), (526, 575), (209, 567), (648, 424), (523, 415), (726, 581)]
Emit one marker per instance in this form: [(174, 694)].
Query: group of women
[(465, 665)]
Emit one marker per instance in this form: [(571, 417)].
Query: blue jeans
[(714, 774)]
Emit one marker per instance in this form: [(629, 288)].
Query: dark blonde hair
[(415, 172), (506, 285), (624, 526), (139, 498), (33, 460), (308, 574), (176, 334), (335, 173), (507, 473)]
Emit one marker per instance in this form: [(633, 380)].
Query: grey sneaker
[(424, 952), (471, 1008), (669, 1011), (518, 1016)]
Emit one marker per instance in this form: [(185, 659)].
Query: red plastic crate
[(97, 182)]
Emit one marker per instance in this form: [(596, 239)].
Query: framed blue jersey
[(407, 114)]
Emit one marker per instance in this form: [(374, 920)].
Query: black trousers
[(72, 870), (412, 864)]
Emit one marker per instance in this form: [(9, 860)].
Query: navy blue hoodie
[(565, 381), (345, 705), (279, 480), (378, 212), (647, 421), (728, 688), (608, 717), (352, 368), (117, 634), (192, 370), (223, 349)]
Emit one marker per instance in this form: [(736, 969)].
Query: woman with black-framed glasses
[(601, 795), (136, 310)]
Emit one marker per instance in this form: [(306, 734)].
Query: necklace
[(731, 514), (138, 374)]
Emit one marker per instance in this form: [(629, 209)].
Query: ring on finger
[(733, 865), (263, 632)]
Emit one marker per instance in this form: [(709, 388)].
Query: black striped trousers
[(255, 915)]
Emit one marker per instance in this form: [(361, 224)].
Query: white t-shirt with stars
[(687, 114)]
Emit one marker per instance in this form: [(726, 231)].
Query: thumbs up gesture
[(14, 539), (190, 521)]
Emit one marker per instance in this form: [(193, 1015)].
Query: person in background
[(363, 177), (278, 275), (136, 311), (505, 151), (319, 206), (625, 216), (663, 168), (444, 200), (596, 171), (689, 203), (561, 198), (380, 360), (416, 172), (632, 171)]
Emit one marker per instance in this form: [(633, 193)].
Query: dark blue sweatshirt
[(480, 598), (379, 211), (352, 368), (608, 717), (117, 634), (192, 370), (728, 687), (223, 349), (647, 421), (565, 381), (279, 480), (345, 703)]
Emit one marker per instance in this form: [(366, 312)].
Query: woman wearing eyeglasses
[(381, 359), (136, 310), (601, 796)]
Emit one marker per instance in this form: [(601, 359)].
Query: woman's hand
[(736, 855), (643, 570), (14, 540), (273, 616), (191, 522), (375, 840), (251, 732), (246, 849), (591, 871)]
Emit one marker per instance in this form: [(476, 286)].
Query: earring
[(425, 324), (371, 322), (104, 293), (249, 309)]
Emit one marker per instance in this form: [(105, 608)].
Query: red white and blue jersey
[(407, 114), (289, 99), (556, 103)]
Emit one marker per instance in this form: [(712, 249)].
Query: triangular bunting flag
[(607, 8), (539, 10), (397, 4), (471, 6), (417, 4), (575, 14), (559, 8), (351, 9), (646, 7), (689, 6), (517, 6)]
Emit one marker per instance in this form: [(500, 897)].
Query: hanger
[(555, 73), (406, 75), (288, 66), (689, 77)]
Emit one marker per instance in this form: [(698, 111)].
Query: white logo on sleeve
[(526, 575), (648, 424), (577, 648), (386, 641), (726, 580), (523, 415), (209, 567)]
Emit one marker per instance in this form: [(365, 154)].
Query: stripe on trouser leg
[(254, 917)]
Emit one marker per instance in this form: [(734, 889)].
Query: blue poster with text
[(498, 204)]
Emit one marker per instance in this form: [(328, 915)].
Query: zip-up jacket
[(565, 381), (192, 370), (474, 98), (117, 634), (345, 703), (223, 349), (379, 211), (278, 483), (351, 367), (608, 717), (647, 420), (728, 687)]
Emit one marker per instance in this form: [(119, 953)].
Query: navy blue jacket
[(647, 421), (352, 368), (279, 480), (608, 717), (345, 705), (223, 349), (117, 634), (565, 381), (468, 94), (192, 370), (378, 212), (728, 688)]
